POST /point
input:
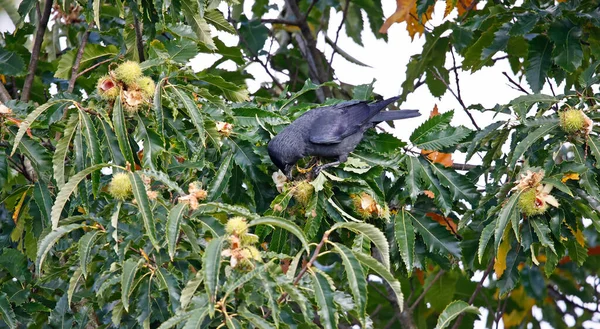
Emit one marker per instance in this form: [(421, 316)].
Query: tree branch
[(35, 52), (514, 83), (337, 34), (475, 293), (138, 38), (425, 290), (458, 97), (77, 62)]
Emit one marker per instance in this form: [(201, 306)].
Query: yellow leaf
[(464, 5), (570, 175), (3, 78), (445, 221), (503, 249), (415, 25), (578, 234), (444, 159), (450, 4), (15, 215), (402, 14), (518, 314), (429, 194)]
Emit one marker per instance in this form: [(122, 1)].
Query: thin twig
[(337, 34), (279, 21), (77, 62), (459, 93), (35, 51), (458, 98), (94, 66), (425, 290), (257, 60), (555, 106), (514, 83), (312, 4), (138, 38), (475, 293)]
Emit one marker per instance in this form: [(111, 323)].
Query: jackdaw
[(330, 132)]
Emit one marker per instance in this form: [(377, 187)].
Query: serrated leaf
[(43, 199), (217, 207), (284, 224), (187, 293), (539, 61), (501, 253), (441, 196), (152, 143), (269, 293), (459, 185), (196, 319), (594, 144), (384, 273), (192, 110), (506, 214), (231, 91), (484, 239), (118, 118), (373, 234), (130, 268), (11, 64), (216, 19), (50, 240), (26, 124), (355, 279), (577, 252), (257, 321), (86, 243), (439, 140), (248, 116), (523, 104), (73, 284), (158, 109), (62, 147), (212, 264), (528, 141), (405, 239), (175, 320), (433, 124), (67, 190), (297, 296), (163, 178), (543, 232), (452, 311), (221, 179), (93, 147), (173, 224), (194, 18), (8, 315), (412, 177), (324, 297), (568, 52), (436, 236), (482, 137), (143, 204), (511, 274)]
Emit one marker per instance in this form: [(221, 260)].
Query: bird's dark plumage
[(331, 132)]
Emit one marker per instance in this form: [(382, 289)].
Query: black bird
[(330, 132)]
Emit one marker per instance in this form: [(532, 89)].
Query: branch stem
[(77, 62), (35, 51), (425, 290)]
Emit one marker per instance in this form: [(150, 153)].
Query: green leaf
[(93, 147), (384, 273), (173, 224), (152, 142), (215, 18), (196, 319), (500, 42), (298, 297), (73, 284), (139, 193), (433, 124), (412, 177), (482, 137), (452, 311), (355, 279), (528, 141), (50, 240), (67, 190), (594, 144), (8, 315), (96, 4), (459, 185), (187, 293), (192, 15), (436, 236), (43, 199), (221, 179), (130, 268), (212, 264), (26, 124), (568, 53), (158, 108), (269, 293), (257, 321), (323, 291), (175, 320), (11, 64), (253, 35), (230, 90), (354, 22), (441, 196), (284, 224), (91, 53), (62, 147), (216, 207), (577, 252), (523, 104), (118, 118), (250, 116), (193, 112), (373, 234), (441, 139), (86, 243), (405, 238), (484, 239), (539, 61), (509, 211), (511, 275), (542, 231), (163, 178)]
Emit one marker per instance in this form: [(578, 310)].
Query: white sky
[(387, 63)]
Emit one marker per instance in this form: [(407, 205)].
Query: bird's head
[(279, 160)]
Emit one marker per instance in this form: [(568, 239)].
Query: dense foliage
[(142, 194)]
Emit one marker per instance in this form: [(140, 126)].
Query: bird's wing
[(339, 122)]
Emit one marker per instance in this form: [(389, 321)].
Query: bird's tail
[(394, 115)]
